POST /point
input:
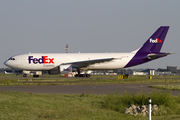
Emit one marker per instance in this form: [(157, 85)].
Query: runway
[(80, 89)]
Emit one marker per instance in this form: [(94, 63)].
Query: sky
[(88, 26)]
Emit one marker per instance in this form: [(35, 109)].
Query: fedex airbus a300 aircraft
[(66, 63)]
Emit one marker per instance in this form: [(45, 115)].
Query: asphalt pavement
[(83, 89)]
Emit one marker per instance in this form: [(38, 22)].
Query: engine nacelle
[(65, 69)]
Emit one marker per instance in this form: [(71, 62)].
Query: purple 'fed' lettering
[(40, 60)]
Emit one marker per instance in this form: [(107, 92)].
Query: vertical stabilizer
[(151, 48), (155, 42)]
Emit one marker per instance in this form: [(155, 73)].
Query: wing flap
[(86, 63)]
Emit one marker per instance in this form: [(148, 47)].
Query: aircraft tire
[(82, 75), (24, 75), (87, 75)]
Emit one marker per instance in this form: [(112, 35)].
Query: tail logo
[(157, 40)]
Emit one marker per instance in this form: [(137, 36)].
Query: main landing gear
[(82, 75), (24, 75)]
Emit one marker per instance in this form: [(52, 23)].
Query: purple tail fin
[(155, 42), (151, 48)]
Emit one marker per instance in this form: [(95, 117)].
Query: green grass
[(28, 106), (18, 105), (118, 102), (103, 79), (167, 87)]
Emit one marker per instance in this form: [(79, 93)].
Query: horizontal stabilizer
[(154, 56)]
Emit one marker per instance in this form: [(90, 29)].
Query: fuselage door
[(24, 61)]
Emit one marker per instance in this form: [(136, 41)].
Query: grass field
[(57, 79), (167, 86), (28, 106), (20, 106)]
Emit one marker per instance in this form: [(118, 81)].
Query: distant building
[(151, 72), (163, 73), (11, 71), (2, 70), (139, 73), (172, 68)]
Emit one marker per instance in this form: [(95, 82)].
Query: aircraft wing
[(86, 63), (154, 56)]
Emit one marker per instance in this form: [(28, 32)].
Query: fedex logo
[(157, 40), (43, 59)]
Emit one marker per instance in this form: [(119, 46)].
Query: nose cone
[(6, 63)]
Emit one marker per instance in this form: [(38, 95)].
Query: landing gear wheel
[(82, 75), (24, 75), (87, 75)]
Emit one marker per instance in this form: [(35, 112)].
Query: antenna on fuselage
[(66, 48)]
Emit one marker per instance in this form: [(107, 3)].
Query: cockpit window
[(11, 59)]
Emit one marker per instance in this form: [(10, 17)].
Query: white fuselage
[(33, 61)]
